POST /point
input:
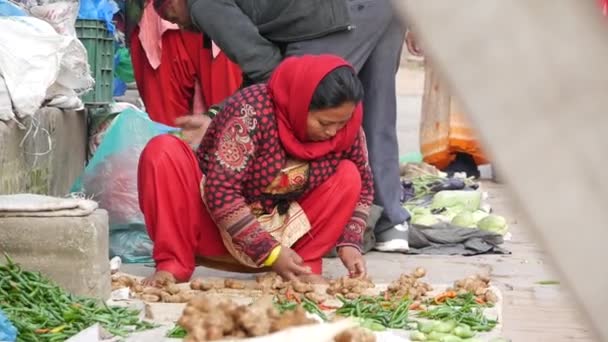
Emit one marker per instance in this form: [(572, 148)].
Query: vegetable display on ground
[(42, 311)]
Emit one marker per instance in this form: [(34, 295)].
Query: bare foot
[(158, 279), (313, 279)]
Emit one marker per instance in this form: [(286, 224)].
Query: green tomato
[(450, 338), (372, 325), (427, 326), (417, 336), (434, 335), (463, 331), (445, 327)]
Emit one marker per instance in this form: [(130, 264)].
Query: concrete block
[(73, 251), (35, 167)]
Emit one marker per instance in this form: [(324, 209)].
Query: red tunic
[(242, 154)]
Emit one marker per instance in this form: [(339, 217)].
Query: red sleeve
[(355, 228), (233, 147)]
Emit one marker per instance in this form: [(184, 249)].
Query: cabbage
[(493, 223), (426, 220), (464, 219), (420, 211), (478, 215), (462, 199)]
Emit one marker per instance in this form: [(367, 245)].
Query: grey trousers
[(373, 47)]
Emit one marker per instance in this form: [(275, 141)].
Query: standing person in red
[(284, 177), (177, 72)]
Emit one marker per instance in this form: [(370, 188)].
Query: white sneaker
[(394, 239)]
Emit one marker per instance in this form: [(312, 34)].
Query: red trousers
[(181, 228), (168, 91)]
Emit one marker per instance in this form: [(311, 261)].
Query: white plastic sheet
[(6, 107), (30, 60)]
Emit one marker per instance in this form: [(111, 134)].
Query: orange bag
[(444, 127)]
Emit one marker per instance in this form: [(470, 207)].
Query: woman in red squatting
[(280, 178)]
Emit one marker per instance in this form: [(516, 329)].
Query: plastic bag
[(110, 178), (75, 72), (6, 106), (30, 60), (8, 333), (123, 68), (120, 87), (99, 10), (444, 128), (9, 9), (131, 245), (61, 14)]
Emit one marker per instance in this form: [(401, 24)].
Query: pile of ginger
[(207, 318)]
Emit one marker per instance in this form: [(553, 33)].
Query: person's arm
[(238, 37), (222, 192), (355, 228)]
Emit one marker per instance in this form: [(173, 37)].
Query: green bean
[(395, 315), (36, 305), (462, 310)]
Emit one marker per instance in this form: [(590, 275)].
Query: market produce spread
[(42, 311), (456, 313)]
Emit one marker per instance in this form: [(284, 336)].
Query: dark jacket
[(251, 32)]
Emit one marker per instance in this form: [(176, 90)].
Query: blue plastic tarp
[(8, 333), (103, 10), (9, 9)]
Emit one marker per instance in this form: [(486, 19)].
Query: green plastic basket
[(100, 49)]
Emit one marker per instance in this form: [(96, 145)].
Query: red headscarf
[(291, 87)]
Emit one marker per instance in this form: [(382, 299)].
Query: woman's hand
[(289, 265), (353, 261), (412, 44), (193, 127)]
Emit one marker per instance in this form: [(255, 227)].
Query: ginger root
[(208, 318), (409, 285)]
